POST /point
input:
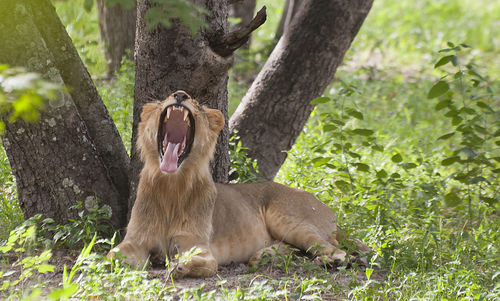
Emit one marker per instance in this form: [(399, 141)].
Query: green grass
[(434, 233)]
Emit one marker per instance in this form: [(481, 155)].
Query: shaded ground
[(294, 273)]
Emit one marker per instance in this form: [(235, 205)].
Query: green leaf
[(451, 113), (368, 273), (474, 73), (343, 186), (446, 59), (320, 161), (397, 158), (452, 199), (450, 160), (338, 122), (362, 132), (44, 268), (408, 165), (354, 155), (354, 113), (377, 147), (481, 129), (381, 174), (483, 105), (362, 167), (443, 61), (456, 120), (489, 201), (320, 100), (428, 187), (446, 136), (63, 293), (443, 104), (467, 110), (438, 89), (329, 127), (479, 179)]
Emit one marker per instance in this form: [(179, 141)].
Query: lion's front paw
[(198, 266)]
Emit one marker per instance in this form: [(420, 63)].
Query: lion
[(179, 207)]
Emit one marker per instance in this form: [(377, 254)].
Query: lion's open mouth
[(175, 136)]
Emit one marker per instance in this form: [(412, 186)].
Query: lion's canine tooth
[(185, 114), (169, 109)]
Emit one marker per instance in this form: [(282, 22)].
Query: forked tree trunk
[(276, 107), (74, 153), (172, 59), (117, 26)]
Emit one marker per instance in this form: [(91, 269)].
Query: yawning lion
[(178, 206)]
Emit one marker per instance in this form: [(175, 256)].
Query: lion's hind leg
[(305, 235)]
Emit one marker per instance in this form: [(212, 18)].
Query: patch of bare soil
[(239, 275), (228, 277)]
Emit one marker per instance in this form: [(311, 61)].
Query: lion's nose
[(180, 96)]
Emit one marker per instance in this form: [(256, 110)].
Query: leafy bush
[(428, 212)]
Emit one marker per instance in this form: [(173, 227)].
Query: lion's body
[(228, 222), (250, 217)]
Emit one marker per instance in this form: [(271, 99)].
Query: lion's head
[(178, 132)]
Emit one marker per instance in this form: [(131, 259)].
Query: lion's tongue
[(169, 161)]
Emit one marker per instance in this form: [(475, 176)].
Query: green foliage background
[(403, 146)]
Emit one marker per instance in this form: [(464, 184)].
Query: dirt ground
[(234, 275)]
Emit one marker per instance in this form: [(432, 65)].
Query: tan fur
[(228, 223)]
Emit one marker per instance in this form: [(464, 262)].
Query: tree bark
[(74, 153), (172, 59), (117, 26), (276, 107)]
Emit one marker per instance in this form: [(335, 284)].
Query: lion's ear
[(215, 119), (147, 109)]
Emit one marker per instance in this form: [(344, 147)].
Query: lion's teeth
[(169, 109), (183, 146), (185, 114)]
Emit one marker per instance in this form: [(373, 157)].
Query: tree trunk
[(117, 26), (74, 153), (276, 107)]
